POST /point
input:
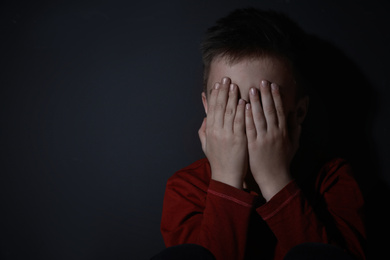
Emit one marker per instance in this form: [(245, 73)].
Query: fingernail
[(253, 91), (241, 101), (225, 80), (232, 87), (274, 86), (264, 83), (248, 106), (217, 85)]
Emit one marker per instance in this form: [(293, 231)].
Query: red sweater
[(235, 224)]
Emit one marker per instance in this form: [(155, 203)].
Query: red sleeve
[(206, 212), (294, 220)]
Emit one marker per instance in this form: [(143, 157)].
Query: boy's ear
[(204, 101), (301, 109)]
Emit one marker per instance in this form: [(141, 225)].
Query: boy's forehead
[(248, 72)]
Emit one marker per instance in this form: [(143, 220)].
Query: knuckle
[(213, 132), (262, 141), (219, 106), (224, 137), (239, 120), (229, 111), (273, 136), (223, 90), (253, 144), (211, 108), (258, 118), (210, 132), (255, 100), (280, 111), (269, 110), (250, 127)]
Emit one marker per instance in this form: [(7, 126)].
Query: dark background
[(100, 105)]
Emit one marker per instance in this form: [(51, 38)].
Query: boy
[(245, 200)]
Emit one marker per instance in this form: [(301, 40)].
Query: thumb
[(202, 135)]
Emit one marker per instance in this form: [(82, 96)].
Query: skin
[(251, 132)]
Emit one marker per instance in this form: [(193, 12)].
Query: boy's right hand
[(222, 135)]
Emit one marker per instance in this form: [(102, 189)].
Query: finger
[(257, 111), (239, 119), (268, 105), (212, 104), (250, 127), (202, 134), (278, 105), (230, 111), (221, 103)]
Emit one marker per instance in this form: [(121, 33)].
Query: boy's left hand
[(271, 147)]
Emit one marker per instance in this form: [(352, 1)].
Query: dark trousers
[(307, 251), (185, 252)]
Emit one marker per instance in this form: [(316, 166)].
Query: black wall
[(100, 104)]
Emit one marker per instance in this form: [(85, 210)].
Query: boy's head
[(251, 45)]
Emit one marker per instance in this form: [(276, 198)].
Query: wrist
[(229, 179), (273, 183)]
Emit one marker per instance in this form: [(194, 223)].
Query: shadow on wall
[(342, 106)]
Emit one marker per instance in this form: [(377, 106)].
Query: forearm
[(269, 187), (225, 221), (293, 220), (220, 225)]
